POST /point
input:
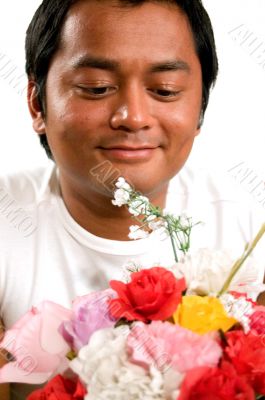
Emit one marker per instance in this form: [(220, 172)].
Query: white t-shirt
[(45, 254)]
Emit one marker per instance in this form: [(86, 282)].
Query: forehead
[(151, 31)]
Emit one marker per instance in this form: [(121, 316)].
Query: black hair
[(43, 36)]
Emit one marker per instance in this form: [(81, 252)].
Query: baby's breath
[(152, 218)]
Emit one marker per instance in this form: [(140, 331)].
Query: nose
[(132, 111)]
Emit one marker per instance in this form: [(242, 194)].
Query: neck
[(95, 212)]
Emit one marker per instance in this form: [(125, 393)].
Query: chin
[(147, 183)]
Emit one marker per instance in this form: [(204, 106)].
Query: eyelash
[(93, 90), (96, 92), (166, 93)]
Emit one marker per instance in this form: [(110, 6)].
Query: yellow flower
[(202, 315)]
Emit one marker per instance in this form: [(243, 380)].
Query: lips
[(129, 153), (129, 148)]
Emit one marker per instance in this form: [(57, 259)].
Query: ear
[(198, 131), (38, 122), (201, 117)]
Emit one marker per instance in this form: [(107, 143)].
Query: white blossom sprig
[(152, 218)]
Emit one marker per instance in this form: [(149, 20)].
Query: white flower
[(122, 184), (92, 358), (104, 367), (150, 218), (121, 197), (155, 225), (139, 206), (128, 269), (137, 233), (184, 220), (206, 271), (159, 227), (238, 308)]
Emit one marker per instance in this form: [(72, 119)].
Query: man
[(116, 88)]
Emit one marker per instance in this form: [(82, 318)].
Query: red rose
[(152, 294), (247, 354), (215, 384), (59, 388)]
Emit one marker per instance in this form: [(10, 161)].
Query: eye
[(97, 91), (166, 93)]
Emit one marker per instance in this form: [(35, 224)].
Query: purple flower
[(91, 313)]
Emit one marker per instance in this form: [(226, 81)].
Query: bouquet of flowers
[(181, 333)]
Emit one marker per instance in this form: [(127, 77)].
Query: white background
[(234, 129)]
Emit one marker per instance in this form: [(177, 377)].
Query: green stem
[(172, 241), (237, 265)]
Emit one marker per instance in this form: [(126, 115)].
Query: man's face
[(124, 87)]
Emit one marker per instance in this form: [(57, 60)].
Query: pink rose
[(37, 346), (90, 313), (166, 345)]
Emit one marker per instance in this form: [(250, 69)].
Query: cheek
[(73, 121), (181, 127), (181, 119)]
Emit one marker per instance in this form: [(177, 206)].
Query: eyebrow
[(112, 65), (176, 65), (96, 62)]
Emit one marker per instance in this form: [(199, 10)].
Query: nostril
[(126, 129)]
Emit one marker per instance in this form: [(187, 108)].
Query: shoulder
[(215, 197), (21, 195), (213, 185), (26, 187)]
